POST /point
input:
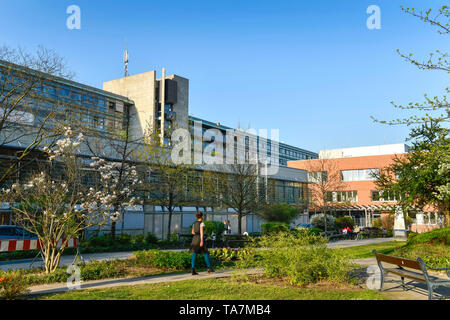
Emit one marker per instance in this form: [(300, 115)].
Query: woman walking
[(198, 245)]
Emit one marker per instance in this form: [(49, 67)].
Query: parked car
[(16, 233)]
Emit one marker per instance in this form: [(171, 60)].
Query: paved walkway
[(101, 284), (392, 289), (355, 243), (68, 260)]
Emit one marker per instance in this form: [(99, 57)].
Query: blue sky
[(309, 68)]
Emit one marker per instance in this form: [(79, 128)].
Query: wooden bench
[(417, 270)]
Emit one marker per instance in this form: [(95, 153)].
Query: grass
[(365, 251), (221, 289), (435, 255)]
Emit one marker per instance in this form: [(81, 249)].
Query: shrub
[(301, 258), (151, 238), (213, 226), (174, 237), (217, 227), (123, 238), (345, 222), (100, 241), (316, 231), (274, 227), (166, 259), (230, 254), (434, 236), (96, 270), (318, 221), (377, 223), (139, 238), (279, 212), (13, 285)]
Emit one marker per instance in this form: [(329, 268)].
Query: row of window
[(295, 154), (346, 175), (359, 175), (352, 196)]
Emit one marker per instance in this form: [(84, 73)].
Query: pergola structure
[(368, 210)]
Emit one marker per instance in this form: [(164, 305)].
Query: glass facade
[(285, 152), (71, 102)]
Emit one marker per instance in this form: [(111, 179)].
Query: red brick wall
[(364, 188)]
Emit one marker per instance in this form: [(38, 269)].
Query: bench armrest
[(437, 269)]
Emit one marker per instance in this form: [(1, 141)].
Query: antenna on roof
[(126, 58)]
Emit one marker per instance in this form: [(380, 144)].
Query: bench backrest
[(406, 263)]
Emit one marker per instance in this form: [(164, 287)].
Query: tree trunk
[(113, 230), (113, 226), (240, 224), (447, 217), (169, 224)]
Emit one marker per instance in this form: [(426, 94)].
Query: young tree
[(237, 187), (423, 174), (324, 178), (121, 151), (434, 109), (23, 85), (165, 181), (56, 205), (421, 177)]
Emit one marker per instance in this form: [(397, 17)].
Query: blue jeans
[(207, 261)]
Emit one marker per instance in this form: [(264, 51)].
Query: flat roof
[(68, 82), (222, 127)]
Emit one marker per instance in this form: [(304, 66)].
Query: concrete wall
[(141, 89), (181, 108)]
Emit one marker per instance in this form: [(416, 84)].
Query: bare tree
[(165, 182), (324, 178), (25, 119), (237, 187)]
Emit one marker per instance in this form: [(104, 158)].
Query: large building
[(356, 194), (145, 102)]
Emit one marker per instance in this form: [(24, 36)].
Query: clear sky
[(309, 68)]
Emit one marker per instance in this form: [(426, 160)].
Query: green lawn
[(216, 289), (361, 252)]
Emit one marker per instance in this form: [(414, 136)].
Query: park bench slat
[(407, 274), (406, 263), (401, 263)]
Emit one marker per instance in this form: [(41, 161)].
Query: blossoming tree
[(63, 200)]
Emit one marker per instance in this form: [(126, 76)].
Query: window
[(359, 175), (384, 196), (342, 196), (316, 177)]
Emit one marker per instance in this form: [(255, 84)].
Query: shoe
[(194, 273), (210, 270)]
